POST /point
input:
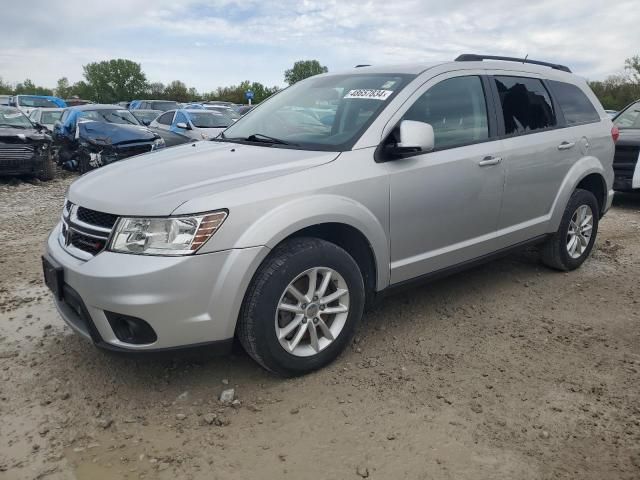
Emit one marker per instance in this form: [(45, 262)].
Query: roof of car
[(96, 106), (418, 68), (146, 110)]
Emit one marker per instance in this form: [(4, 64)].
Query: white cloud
[(227, 41)]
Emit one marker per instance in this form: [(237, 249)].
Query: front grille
[(85, 230), (106, 220), (15, 152)]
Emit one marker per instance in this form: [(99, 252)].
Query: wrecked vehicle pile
[(91, 136), (24, 149)]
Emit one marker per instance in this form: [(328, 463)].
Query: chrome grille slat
[(87, 235)]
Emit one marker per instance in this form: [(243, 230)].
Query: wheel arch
[(587, 173)]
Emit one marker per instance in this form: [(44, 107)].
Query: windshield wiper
[(12, 126), (260, 137)]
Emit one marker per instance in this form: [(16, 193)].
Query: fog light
[(131, 329)]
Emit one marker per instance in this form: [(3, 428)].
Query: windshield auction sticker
[(369, 93)]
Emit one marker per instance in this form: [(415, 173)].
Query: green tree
[(81, 90), (111, 81), (156, 90), (5, 88), (632, 66), (63, 90), (177, 91), (303, 69), (29, 88)]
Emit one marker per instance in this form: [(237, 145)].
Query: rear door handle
[(566, 145), (489, 160)]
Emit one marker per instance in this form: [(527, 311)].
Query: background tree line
[(119, 79), (116, 80)]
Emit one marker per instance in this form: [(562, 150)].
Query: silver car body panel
[(419, 214)]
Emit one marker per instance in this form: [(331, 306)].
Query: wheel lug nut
[(315, 320), (304, 305), (315, 298), (304, 320), (322, 307)]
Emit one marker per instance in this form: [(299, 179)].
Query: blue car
[(90, 136)]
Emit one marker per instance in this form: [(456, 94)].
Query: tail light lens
[(615, 133)]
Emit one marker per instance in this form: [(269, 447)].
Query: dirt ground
[(507, 371)]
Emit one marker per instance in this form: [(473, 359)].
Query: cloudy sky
[(220, 42)]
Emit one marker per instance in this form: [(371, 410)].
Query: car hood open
[(104, 133), (158, 183)]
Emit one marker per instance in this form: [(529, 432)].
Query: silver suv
[(281, 231)]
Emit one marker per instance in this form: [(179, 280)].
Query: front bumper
[(187, 300)]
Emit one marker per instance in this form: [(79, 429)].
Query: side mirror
[(415, 138), (183, 126)]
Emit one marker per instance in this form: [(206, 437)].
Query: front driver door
[(445, 204)]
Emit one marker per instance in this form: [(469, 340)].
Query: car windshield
[(321, 113), (229, 112), (110, 116), (49, 118), (11, 117), (146, 116), (26, 101), (630, 118), (210, 119), (164, 106)]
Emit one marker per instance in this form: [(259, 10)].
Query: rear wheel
[(302, 306), (570, 246)]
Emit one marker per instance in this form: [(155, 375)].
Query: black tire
[(46, 169), (554, 251), (83, 163), (256, 324)]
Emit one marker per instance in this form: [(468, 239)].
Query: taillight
[(615, 133)]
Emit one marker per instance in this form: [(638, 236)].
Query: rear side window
[(526, 105), (165, 118), (456, 109), (574, 104)]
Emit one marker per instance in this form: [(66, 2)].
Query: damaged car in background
[(90, 136), (25, 149)]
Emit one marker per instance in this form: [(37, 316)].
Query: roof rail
[(362, 65), (472, 57)]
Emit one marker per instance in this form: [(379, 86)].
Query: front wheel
[(570, 246), (301, 307)]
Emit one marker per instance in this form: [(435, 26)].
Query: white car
[(46, 116), (192, 124)]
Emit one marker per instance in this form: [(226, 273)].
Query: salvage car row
[(38, 131), (87, 136)]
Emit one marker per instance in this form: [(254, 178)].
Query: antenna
[(524, 60)]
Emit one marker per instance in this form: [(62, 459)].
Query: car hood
[(103, 133), (8, 134), (158, 183)]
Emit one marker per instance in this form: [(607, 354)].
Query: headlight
[(158, 143), (165, 236)]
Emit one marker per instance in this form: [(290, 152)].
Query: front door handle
[(566, 145), (489, 160)]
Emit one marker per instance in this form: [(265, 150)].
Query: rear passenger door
[(536, 156)]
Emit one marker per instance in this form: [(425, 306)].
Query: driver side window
[(456, 109)]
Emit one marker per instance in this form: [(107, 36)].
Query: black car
[(625, 163), (25, 148), (145, 117), (90, 136)]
